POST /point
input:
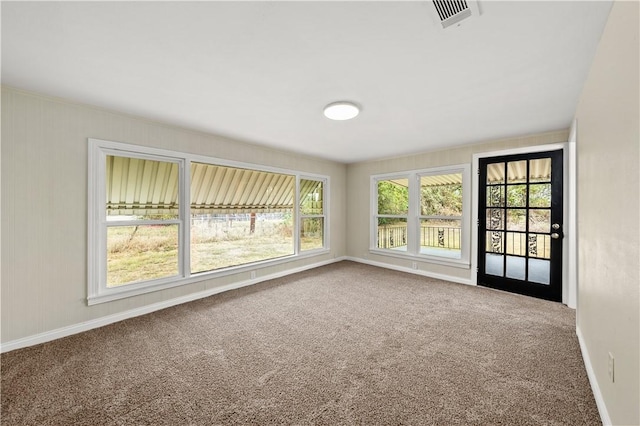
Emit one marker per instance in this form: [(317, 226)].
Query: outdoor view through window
[(437, 228), (236, 216), (239, 216)]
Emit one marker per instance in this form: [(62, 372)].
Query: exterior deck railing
[(392, 236)]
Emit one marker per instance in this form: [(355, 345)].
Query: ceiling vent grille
[(451, 12)]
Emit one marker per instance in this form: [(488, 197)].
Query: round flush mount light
[(342, 110)]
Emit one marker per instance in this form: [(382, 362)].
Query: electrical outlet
[(414, 265), (611, 368)]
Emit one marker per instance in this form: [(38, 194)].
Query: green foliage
[(442, 200), (392, 199)]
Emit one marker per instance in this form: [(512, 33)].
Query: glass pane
[(516, 243), (393, 196), (516, 220), (495, 219), (495, 173), (495, 196), (311, 195), (392, 234), (441, 195), (539, 245), (140, 253), (311, 233), (540, 170), (141, 189), (517, 195), (539, 271), (495, 242), (517, 171), (230, 190), (441, 238), (494, 264), (540, 195), (516, 267), (241, 216), (223, 240), (540, 220)]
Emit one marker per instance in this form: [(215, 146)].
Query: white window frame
[(98, 292), (414, 216), (323, 216), (374, 208)]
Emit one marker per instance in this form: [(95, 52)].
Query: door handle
[(555, 235), (555, 226)]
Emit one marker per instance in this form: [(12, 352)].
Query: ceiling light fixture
[(342, 110)]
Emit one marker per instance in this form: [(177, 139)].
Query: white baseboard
[(411, 271), (597, 394), (110, 319)]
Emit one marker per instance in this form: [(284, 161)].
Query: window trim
[(97, 292), (414, 216)]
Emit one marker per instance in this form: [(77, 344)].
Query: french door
[(520, 224)]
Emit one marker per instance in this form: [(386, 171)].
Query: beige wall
[(358, 191), (609, 215), (44, 206)]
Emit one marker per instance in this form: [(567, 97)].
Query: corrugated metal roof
[(220, 189), (148, 187), (138, 187), (433, 180), (440, 180), (539, 170)]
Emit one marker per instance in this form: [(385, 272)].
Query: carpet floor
[(341, 344)]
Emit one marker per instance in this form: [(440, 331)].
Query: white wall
[(358, 191), (44, 207), (608, 139)]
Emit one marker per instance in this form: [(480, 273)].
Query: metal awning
[(140, 187), (539, 170)]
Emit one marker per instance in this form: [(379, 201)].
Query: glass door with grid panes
[(520, 224)]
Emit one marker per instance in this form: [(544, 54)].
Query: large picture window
[(160, 218), (239, 216), (423, 214)]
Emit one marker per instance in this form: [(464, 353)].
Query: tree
[(441, 200), (392, 199)]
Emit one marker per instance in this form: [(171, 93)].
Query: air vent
[(451, 12)]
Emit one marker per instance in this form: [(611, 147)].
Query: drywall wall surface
[(359, 193), (44, 207), (608, 311)]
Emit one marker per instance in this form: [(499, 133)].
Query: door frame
[(569, 254)]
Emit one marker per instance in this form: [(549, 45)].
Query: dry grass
[(149, 252)]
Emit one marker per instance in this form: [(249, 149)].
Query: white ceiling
[(263, 71)]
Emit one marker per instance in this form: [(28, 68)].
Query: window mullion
[(184, 247)]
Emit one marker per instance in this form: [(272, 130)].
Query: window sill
[(455, 263), (112, 294)]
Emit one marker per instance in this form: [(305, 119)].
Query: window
[(423, 214), (239, 216), (441, 215), (142, 219), (392, 213), (159, 218), (311, 214)]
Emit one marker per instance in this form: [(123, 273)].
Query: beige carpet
[(341, 344)]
